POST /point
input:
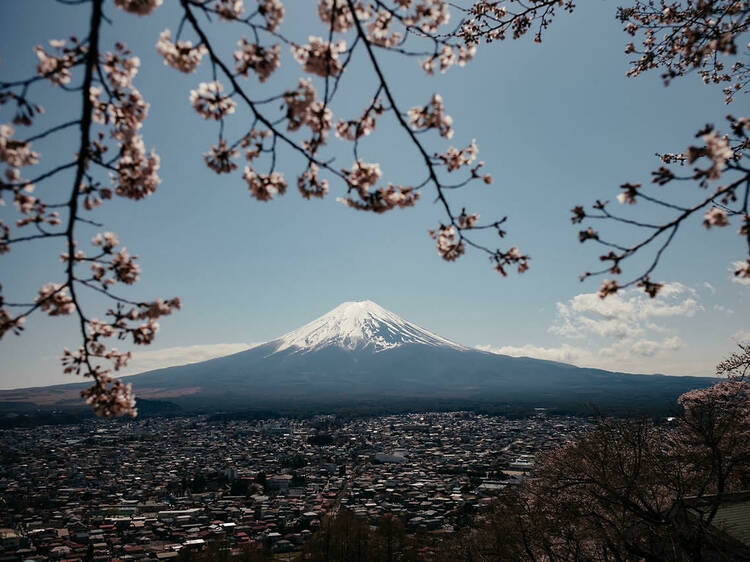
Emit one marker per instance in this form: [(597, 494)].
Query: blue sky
[(558, 124)]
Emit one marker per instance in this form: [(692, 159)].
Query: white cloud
[(564, 354), (736, 278), (623, 315), (624, 332), (172, 356), (724, 309), (743, 336), (710, 287)]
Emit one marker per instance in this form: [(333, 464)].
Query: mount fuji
[(361, 352), (358, 326)]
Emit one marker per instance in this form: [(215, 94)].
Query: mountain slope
[(360, 351)]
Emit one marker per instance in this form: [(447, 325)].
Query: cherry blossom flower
[(137, 172), (432, 116), (181, 55), (159, 307), (120, 68), (124, 267), (298, 104), (138, 7), (15, 153), (363, 175), (10, 324), (467, 221), (716, 217), (717, 149), (209, 102), (365, 125), (55, 300), (219, 159), (629, 194), (229, 9), (383, 199), (111, 402), (273, 11), (379, 33), (264, 186), (455, 159), (608, 288), (310, 185), (337, 15), (56, 67), (263, 61), (449, 246), (448, 57), (319, 57), (429, 15), (742, 269)]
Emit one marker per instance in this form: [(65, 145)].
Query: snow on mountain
[(358, 326)]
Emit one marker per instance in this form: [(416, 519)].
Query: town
[(156, 488)]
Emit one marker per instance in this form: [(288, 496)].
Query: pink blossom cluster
[(111, 401), (432, 116), (139, 7), (682, 37), (55, 300), (467, 221), (229, 9), (310, 185), (304, 110), (320, 57), (261, 60), (209, 101), (497, 20), (379, 30), (362, 177), (124, 111), (9, 323), (137, 171), (264, 186), (180, 55), (121, 264), (630, 193), (455, 159), (15, 153), (716, 217), (428, 15), (511, 257), (362, 127), (55, 67), (253, 142), (449, 244), (448, 57), (337, 15), (219, 159), (273, 12), (717, 149)]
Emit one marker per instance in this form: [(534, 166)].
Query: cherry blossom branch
[(722, 203), (681, 37), (108, 99)]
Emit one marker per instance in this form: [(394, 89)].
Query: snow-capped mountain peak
[(360, 325)]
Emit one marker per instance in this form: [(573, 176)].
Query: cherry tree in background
[(630, 489)]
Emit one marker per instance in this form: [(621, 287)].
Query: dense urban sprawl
[(156, 488)]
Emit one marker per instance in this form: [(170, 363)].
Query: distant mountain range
[(361, 353)]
